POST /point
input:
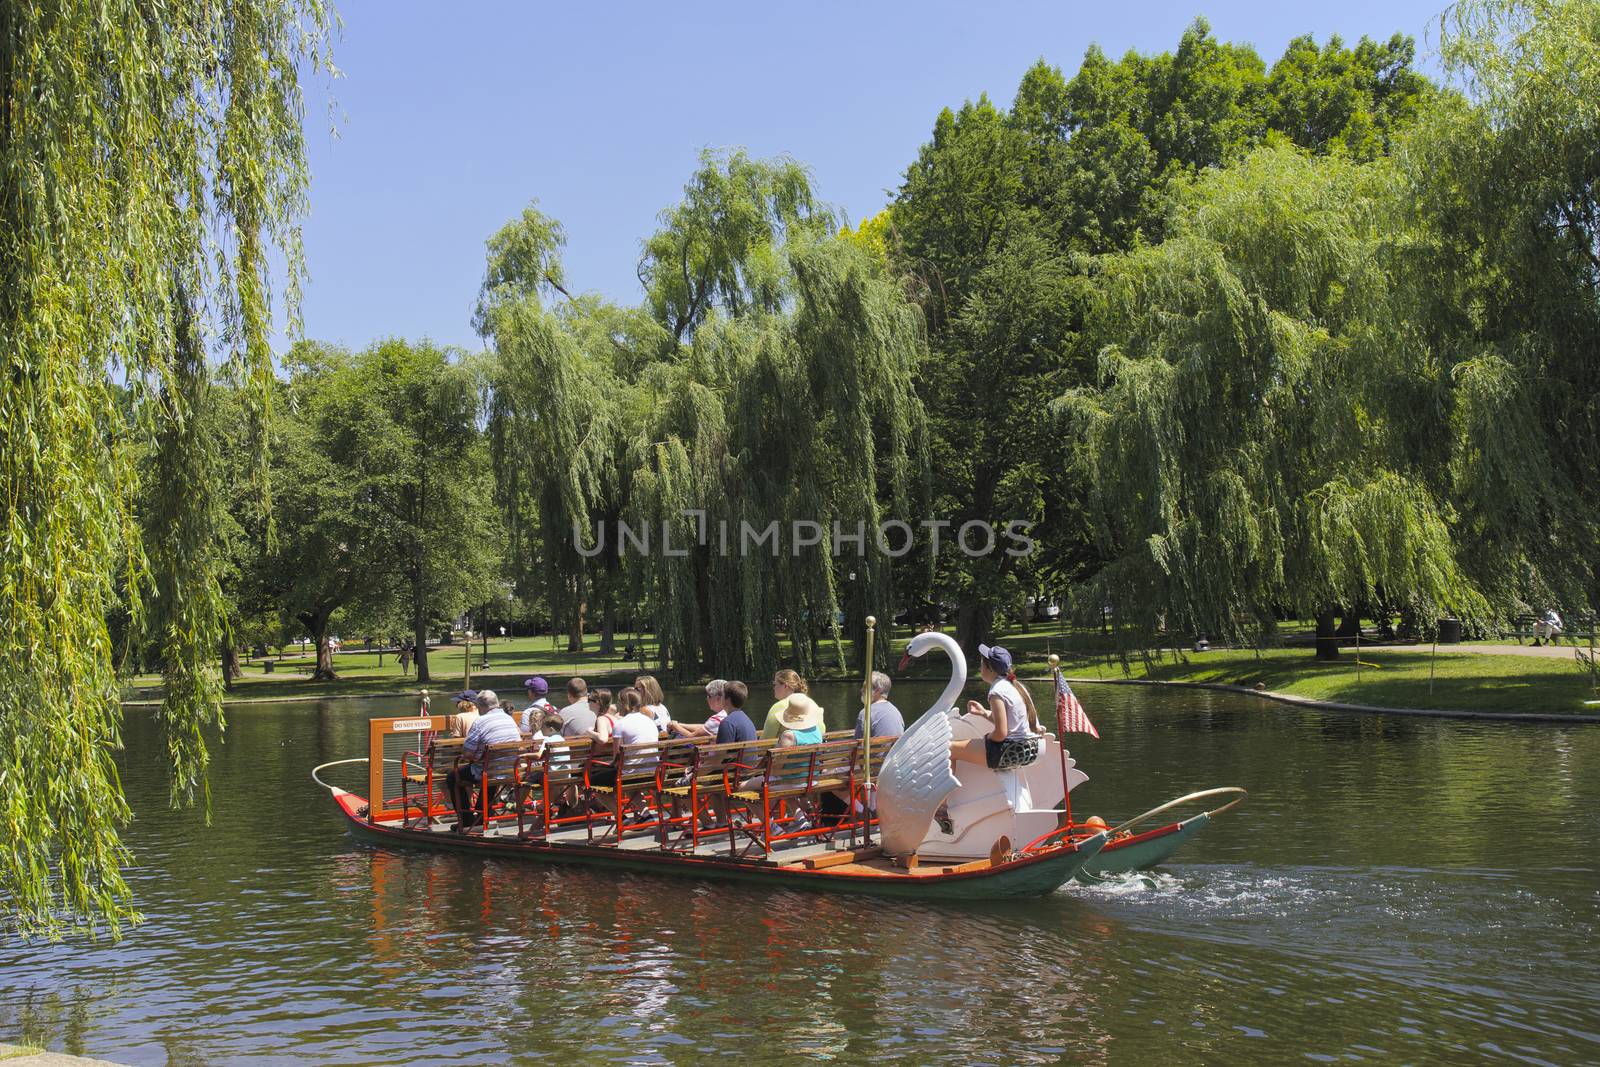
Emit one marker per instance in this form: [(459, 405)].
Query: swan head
[(921, 645)]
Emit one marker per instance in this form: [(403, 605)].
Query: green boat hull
[(1141, 853), (1029, 876)]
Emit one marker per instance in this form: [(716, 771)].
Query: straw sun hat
[(800, 713)]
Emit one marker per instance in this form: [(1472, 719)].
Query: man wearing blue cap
[(539, 706)]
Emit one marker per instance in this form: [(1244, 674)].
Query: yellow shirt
[(774, 725)]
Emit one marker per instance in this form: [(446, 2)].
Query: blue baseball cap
[(536, 685), (998, 657), (466, 694)]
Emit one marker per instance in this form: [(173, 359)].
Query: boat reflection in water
[(643, 962)]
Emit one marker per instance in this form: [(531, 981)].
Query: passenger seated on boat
[(655, 702), (1014, 740), (735, 725), (715, 703), (886, 718), (636, 726), (784, 684), (538, 705), (549, 738), (492, 727), (465, 715), (802, 725), (800, 722), (577, 718), (601, 772)]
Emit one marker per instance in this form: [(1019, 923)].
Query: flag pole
[(866, 736), (1061, 741)]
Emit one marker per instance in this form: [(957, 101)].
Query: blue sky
[(451, 117)]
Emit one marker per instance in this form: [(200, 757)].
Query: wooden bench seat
[(555, 770), (425, 771), (788, 786)]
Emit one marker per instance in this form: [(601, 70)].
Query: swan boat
[(1026, 803), (756, 813)]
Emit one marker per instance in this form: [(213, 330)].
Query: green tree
[(384, 500), (1246, 446), (150, 159), (1504, 277)]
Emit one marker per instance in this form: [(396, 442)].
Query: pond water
[(1393, 890)]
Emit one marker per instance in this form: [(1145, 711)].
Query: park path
[(1561, 651)]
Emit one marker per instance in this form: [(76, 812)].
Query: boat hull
[(1142, 851), (1026, 876)]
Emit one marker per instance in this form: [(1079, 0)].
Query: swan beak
[(905, 661)]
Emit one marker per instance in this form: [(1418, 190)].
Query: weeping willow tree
[(151, 157), (1502, 192), (1249, 445), (767, 378), (551, 413), (791, 401)]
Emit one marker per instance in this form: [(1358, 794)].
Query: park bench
[(1583, 629)]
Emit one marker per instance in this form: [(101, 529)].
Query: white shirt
[(555, 748), (658, 712), (1016, 711), (637, 728)]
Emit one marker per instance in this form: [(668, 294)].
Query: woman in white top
[(1013, 741), (636, 727), (654, 701)]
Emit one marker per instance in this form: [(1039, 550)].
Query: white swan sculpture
[(984, 805), (916, 774)]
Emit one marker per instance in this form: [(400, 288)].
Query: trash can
[(266, 666), (1449, 631)]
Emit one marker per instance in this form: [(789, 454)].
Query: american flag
[(1070, 716)]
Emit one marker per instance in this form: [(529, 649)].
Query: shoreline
[(30, 1056), (1530, 718)]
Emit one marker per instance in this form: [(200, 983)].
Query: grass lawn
[(1462, 680)]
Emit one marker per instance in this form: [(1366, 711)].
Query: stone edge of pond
[(28, 1056), (1534, 717)]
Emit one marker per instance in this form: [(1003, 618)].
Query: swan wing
[(915, 779)]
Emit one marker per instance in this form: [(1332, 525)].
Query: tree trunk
[(575, 630), (1349, 623), (419, 635), (973, 621), (316, 624), (1327, 636), (231, 671)]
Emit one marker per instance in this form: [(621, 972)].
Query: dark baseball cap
[(998, 657)]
